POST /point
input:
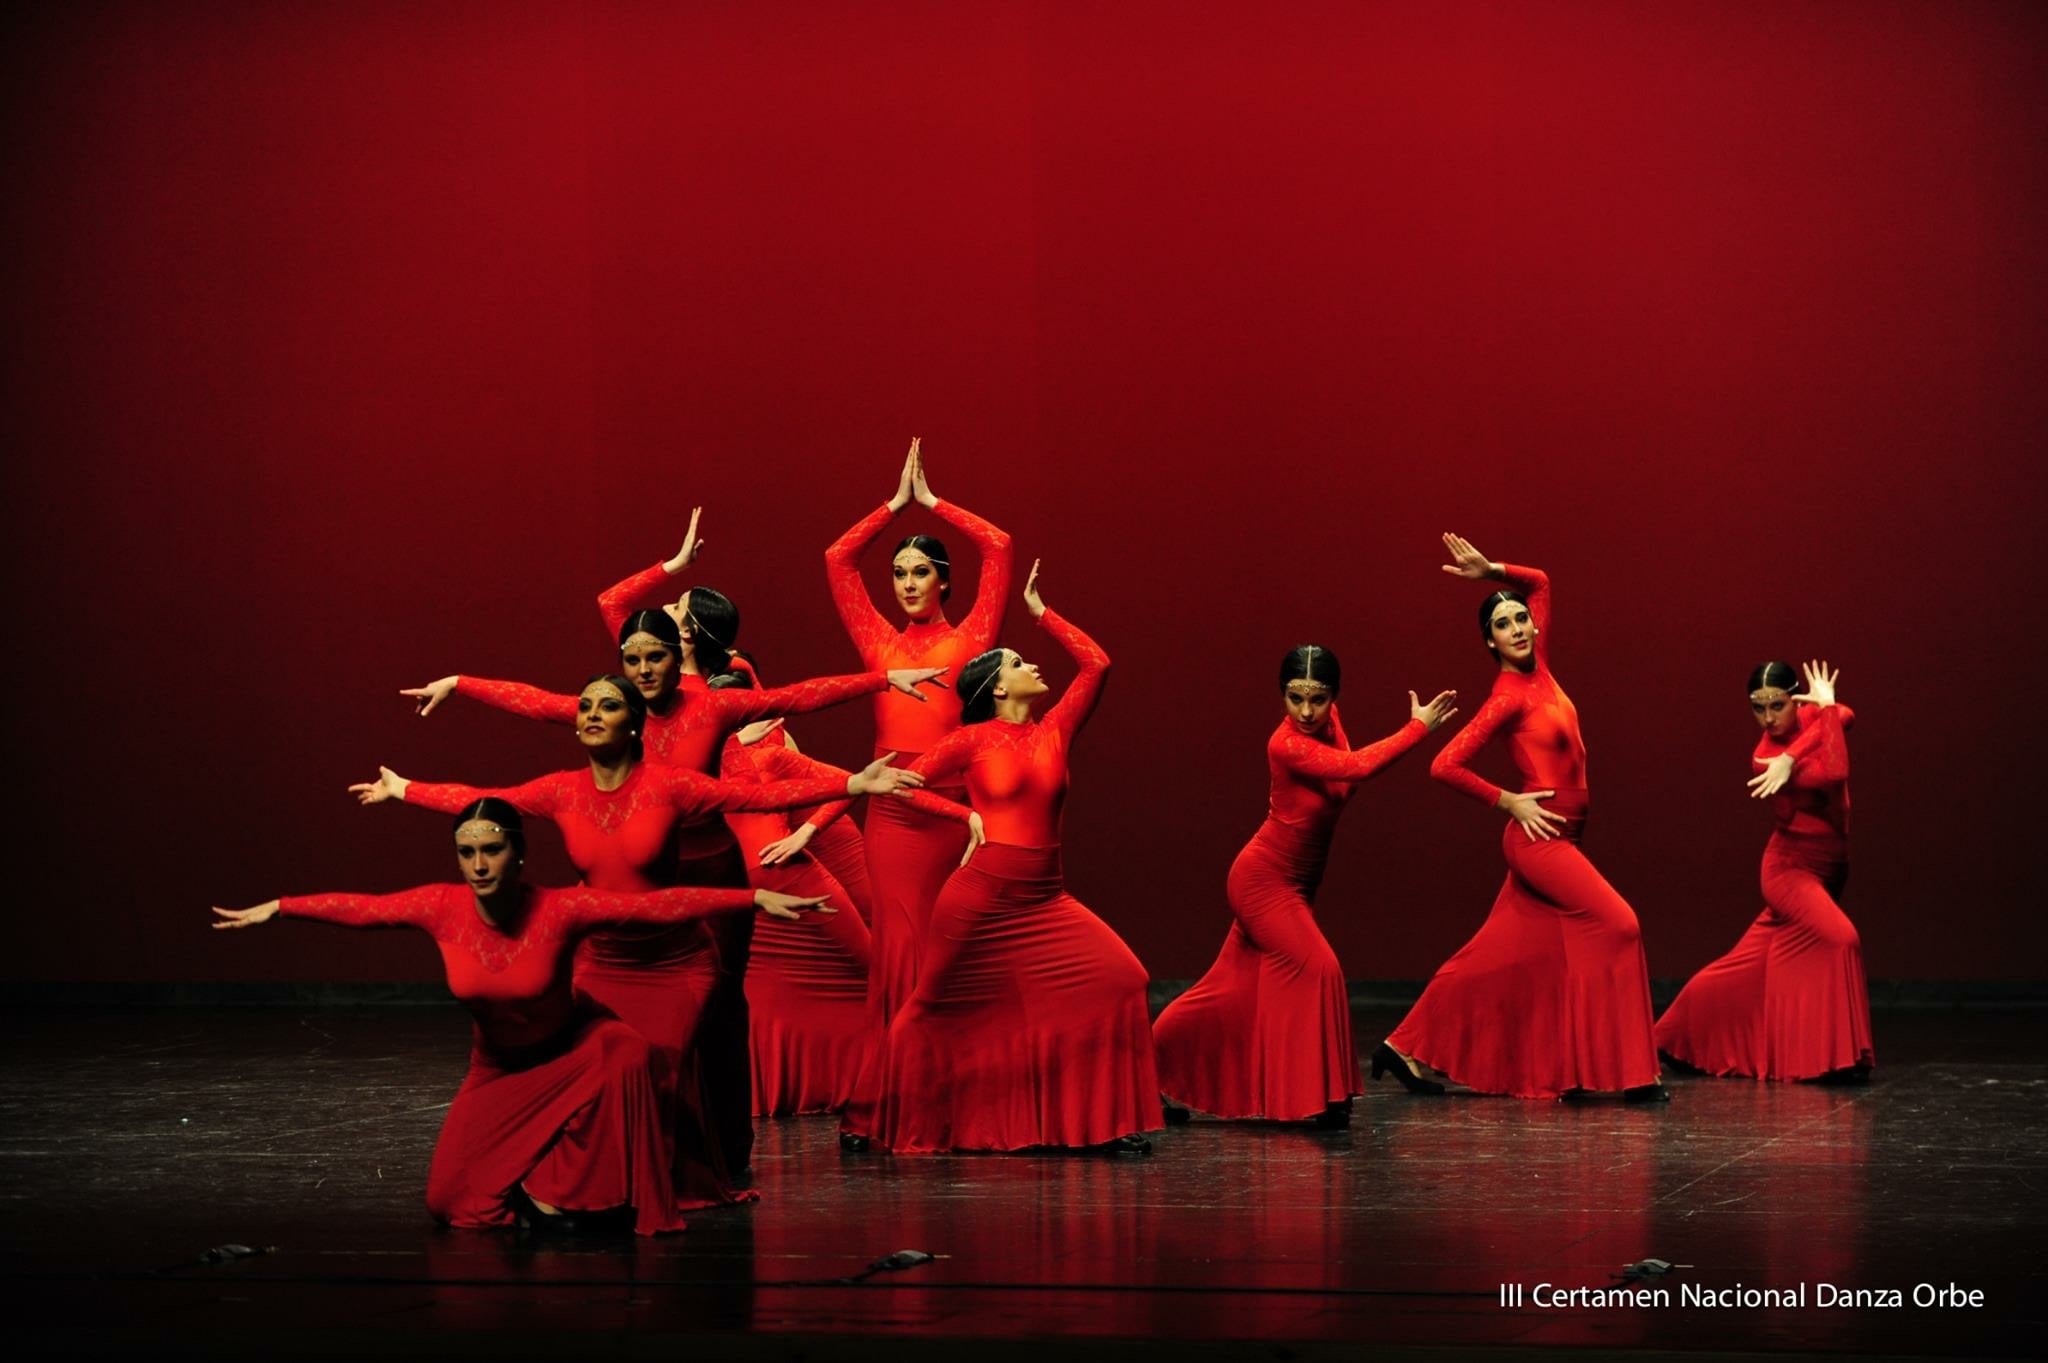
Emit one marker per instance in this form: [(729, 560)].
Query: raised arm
[(1079, 701), (646, 587), (992, 592), (864, 624), (415, 908), (1533, 583)]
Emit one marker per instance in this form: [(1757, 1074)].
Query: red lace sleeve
[(1299, 753), (1533, 583), (1451, 764), (986, 619), (528, 702), (737, 706), (1079, 702), (416, 908), (864, 624), (776, 761), (542, 796), (947, 760), (698, 796), (621, 599), (589, 909), (1821, 750)]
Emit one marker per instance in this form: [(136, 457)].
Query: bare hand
[(975, 837), (246, 918), (389, 785), (908, 679), (1820, 684), (782, 849), (879, 778), (1434, 713), (753, 733), (1772, 778), (919, 488), (1032, 600), (905, 481), (692, 546), (1466, 561), (791, 906), (425, 698), (1526, 808)]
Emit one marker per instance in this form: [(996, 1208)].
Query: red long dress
[(1267, 1032), (1028, 1024), (910, 852), (690, 735), (662, 981), (1789, 1002), (1552, 995), (560, 1097), (807, 981)]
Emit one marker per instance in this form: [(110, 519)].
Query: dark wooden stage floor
[(136, 1140)]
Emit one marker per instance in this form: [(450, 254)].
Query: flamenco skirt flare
[(1028, 1026), (1267, 1032), (1789, 1002), (1552, 995), (576, 1122), (807, 986)]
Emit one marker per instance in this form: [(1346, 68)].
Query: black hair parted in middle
[(934, 549), (636, 706), (493, 809), (715, 621), (978, 685), (660, 624), (1784, 676), (1312, 662)]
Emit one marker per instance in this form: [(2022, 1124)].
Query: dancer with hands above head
[(1028, 1024), (910, 853), (1267, 1032), (558, 1116), (1551, 998), (1790, 1001), (620, 819)]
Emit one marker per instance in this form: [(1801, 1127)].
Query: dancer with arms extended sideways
[(1028, 1024), (1789, 1002), (558, 1115), (1267, 1032), (1551, 998)]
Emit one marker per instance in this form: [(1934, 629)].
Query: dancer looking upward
[(1789, 1002), (1552, 996), (557, 1115), (1267, 1032)]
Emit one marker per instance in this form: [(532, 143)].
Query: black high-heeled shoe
[(1647, 1093), (853, 1144), (1335, 1117), (1387, 1060), (1176, 1115), (1126, 1145)]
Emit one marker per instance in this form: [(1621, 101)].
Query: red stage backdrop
[(352, 345)]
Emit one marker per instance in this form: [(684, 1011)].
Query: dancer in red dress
[(1789, 1002), (620, 819), (910, 853), (668, 655), (558, 1114), (1267, 1032), (807, 982), (1028, 1024), (1552, 996)]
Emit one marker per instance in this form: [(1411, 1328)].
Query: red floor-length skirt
[(807, 988), (575, 1121), (840, 849), (1552, 995), (1267, 1032), (1028, 1026), (910, 855), (1789, 1002)]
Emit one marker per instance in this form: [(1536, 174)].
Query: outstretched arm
[(541, 796), (416, 908), (1297, 752), (589, 909), (528, 702), (738, 706)]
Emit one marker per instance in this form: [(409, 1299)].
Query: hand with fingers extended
[(908, 679), (425, 698), (751, 734), (782, 849), (692, 546), (791, 906), (1440, 708), (389, 785), (1820, 684), (879, 778), (975, 838), (246, 918), (906, 482), (1466, 561), (1526, 808), (1768, 782), (1033, 602)]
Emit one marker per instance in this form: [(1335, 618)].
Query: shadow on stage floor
[(136, 1140)]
